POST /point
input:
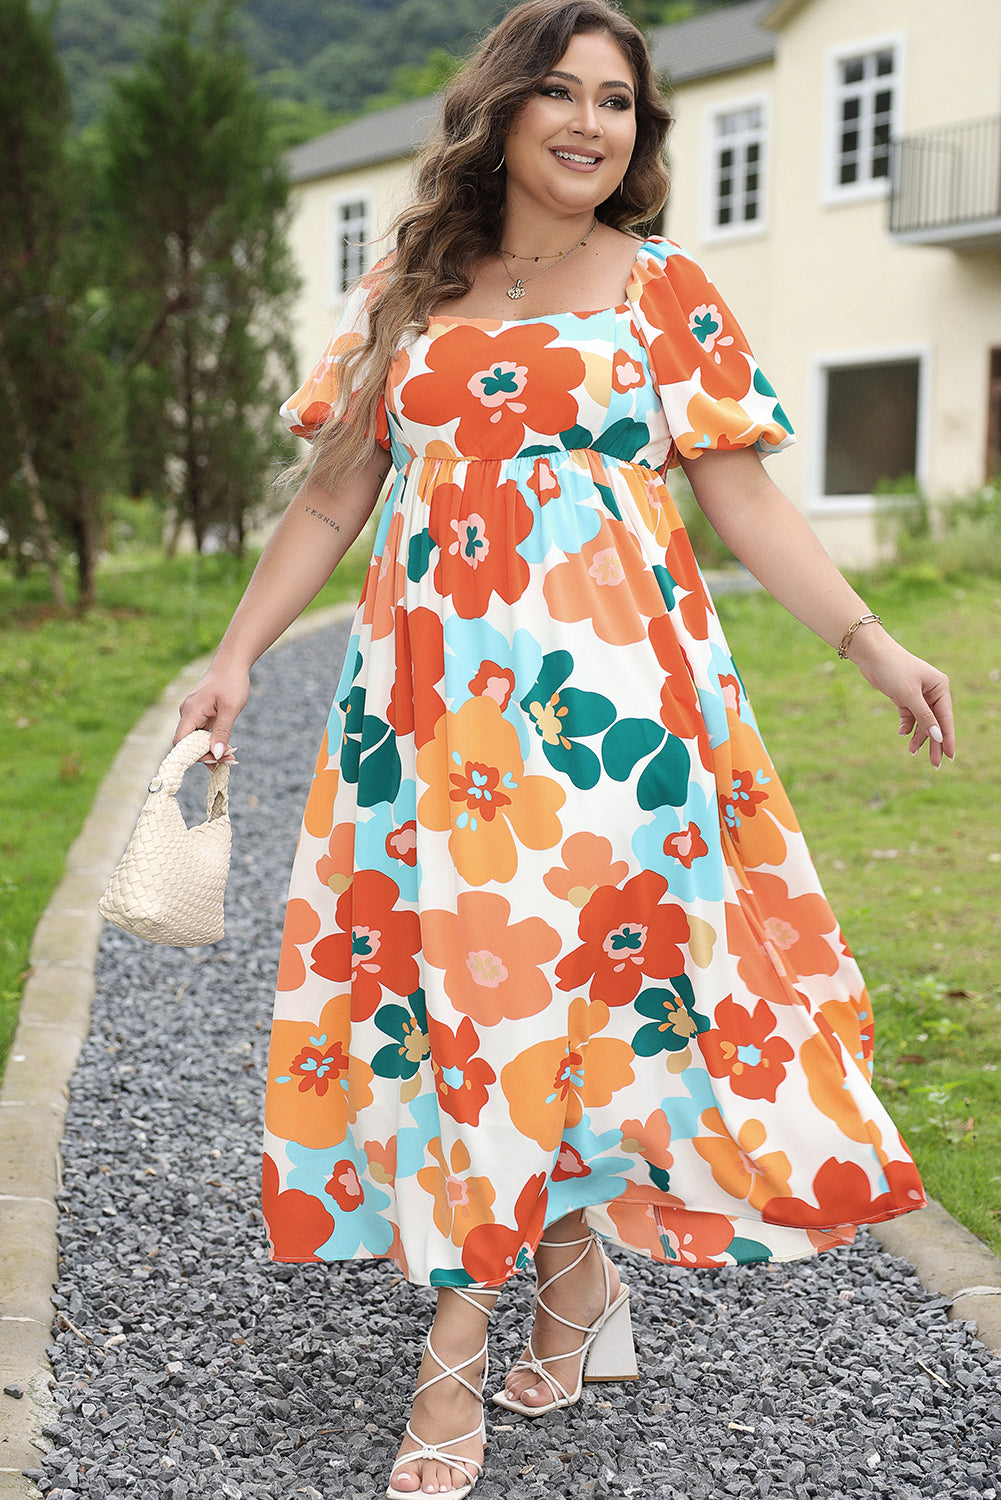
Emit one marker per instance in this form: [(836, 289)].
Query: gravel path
[(188, 1365)]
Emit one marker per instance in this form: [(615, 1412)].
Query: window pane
[(884, 63), (852, 69), (872, 426)]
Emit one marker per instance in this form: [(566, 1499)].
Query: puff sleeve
[(318, 399), (713, 393)]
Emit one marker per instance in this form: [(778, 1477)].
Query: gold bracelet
[(849, 634)]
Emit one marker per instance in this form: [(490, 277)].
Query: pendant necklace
[(517, 287)]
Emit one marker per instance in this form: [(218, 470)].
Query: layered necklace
[(517, 287)]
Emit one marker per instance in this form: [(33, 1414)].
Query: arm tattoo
[(310, 511)]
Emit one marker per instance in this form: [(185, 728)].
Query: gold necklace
[(517, 287)]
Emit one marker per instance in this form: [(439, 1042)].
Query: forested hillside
[(336, 55)]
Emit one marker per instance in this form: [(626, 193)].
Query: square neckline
[(593, 312)]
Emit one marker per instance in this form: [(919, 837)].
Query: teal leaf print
[(666, 583), (576, 762), (577, 437), (665, 779), (674, 1021), (659, 1177), (589, 713), (746, 1252), (563, 715), (499, 380), (419, 555), (623, 440), (627, 743)]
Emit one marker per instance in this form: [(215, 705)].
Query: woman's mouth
[(577, 158)]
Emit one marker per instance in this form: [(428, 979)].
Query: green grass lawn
[(70, 690), (911, 858)]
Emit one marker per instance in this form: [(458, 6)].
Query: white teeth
[(585, 161)]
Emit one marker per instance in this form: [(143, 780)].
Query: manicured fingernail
[(914, 749), (218, 749), (935, 734), (903, 729)]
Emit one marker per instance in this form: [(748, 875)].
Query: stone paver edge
[(55, 1018)]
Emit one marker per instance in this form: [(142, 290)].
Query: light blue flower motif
[(713, 703), (412, 1141), (364, 1225), (704, 878), (603, 1180), (469, 643), (567, 521), (372, 831), (683, 1114)]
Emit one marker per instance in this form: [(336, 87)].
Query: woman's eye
[(555, 91), (619, 101)]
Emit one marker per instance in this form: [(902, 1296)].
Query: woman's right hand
[(214, 705)]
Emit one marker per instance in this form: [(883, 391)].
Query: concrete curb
[(34, 1095), (54, 1022)]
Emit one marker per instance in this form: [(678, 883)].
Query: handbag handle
[(181, 758)]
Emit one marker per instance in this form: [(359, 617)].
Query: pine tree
[(198, 206), (50, 476)]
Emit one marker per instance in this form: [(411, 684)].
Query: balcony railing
[(947, 186)]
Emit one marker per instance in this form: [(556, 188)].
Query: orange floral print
[(629, 936), (609, 583), (415, 705), (741, 1049), (318, 818), (492, 382), (650, 1139), (375, 945), (462, 1079), (738, 1164), (493, 967), (587, 863), (493, 1252), (478, 790), (298, 1224), (315, 1087), (384, 584), (461, 1201), (477, 529), (335, 869), (796, 929), (549, 1085), (301, 926)]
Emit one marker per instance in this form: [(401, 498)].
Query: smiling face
[(570, 144)]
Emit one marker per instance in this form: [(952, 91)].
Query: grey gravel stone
[(195, 1368)]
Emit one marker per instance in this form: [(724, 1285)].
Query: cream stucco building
[(836, 167)]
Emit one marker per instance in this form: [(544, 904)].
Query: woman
[(555, 955)]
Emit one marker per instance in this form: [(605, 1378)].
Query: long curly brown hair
[(456, 217)]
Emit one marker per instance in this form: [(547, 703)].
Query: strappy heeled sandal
[(606, 1353), (439, 1452)]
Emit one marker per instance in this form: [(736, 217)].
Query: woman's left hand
[(919, 691)]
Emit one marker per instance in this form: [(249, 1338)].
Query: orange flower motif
[(844, 1195), (687, 846), (460, 1202), (301, 926), (492, 380), (336, 868), (298, 1224), (627, 373), (801, 931), (839, 1035), (381, 1159), (478, 790), (609, 583), (753, 804), (549, 1085), (415, 705), (544, 482), (374, 948), (628, 937), (741, 1049), (653, 500), (315, 1087), (587, 863), (492, 969), (492, 1253), (477, 529), (670, 1232), (319, 815), (495, 682), (461, 1077), (680, 710), (385, 582), (737, 1164), (650, 1140)]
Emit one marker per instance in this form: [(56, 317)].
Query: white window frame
[(819, 504), (835, 192), (713, 233), (339, 284)]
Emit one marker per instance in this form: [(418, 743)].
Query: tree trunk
[(86, 553), (39, 514)]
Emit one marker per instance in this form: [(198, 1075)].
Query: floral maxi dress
[(554, 939)]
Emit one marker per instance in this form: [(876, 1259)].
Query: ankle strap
[(555, 1244)]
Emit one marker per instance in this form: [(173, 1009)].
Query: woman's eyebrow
[(612, 83)]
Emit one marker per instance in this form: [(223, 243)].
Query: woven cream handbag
[(168, 886)]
